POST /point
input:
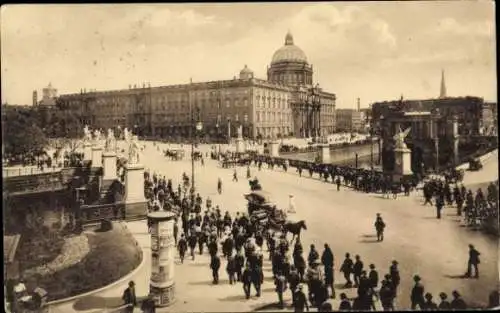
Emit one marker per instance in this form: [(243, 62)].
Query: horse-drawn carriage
[(263, 212), (174, 154), (475, 165)]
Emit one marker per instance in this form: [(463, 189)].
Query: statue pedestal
[(109, 165), (240, 145), (274, 148), (402, 166), (96, 157), (135, 202), (324, 153), (162, 284), (87, 151)]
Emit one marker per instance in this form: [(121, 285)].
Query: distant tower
[(35, 98), (442, 94), (358, 105)]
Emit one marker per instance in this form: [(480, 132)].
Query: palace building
[(288, 103)]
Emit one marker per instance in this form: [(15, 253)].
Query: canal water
[(343, 156)]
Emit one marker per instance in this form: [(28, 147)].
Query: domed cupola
[(246, 73), (289, 65), (289, 52)]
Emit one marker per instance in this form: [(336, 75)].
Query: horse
[(294, 228)]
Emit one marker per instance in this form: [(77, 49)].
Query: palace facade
[(288, 103)]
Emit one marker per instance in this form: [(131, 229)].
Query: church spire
[(442, 93)]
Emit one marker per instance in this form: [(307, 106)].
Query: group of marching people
[(360, 179), (476, 208)]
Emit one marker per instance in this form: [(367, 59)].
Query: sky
[(372, 50)]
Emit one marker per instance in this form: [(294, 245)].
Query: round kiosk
[(162, 257)]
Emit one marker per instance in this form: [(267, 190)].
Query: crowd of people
[(238, 249), (477, 209)]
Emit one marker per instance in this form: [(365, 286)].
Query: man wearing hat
[(379, 227), (182, 247), (457, 303), (347, 268), (444, 304), (300, 300), (429, 305), (129, 297), (473, 262), (417, 294), (394, 273), (345, 304), (373, 277)]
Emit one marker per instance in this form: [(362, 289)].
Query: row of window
[(273, 117)]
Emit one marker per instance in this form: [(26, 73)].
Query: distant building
[(287, 103), (350, 120), (49, 96)]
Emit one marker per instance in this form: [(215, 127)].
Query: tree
[(22, 134)]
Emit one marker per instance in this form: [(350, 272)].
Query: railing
[(39, 183), (23, 171), (89, 214)]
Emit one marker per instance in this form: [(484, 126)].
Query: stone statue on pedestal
[(110, 140), (97, 136), (240, 132), (400, 138), (126, 134), (87, 136), (133, 151)]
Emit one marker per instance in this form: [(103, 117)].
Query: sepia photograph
[(250, 157)]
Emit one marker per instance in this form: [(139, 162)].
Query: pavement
[(435, 249)]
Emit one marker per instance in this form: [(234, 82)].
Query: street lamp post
[(198, 126)]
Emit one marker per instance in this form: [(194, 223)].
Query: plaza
[(434, 249)]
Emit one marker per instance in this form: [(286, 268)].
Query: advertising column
[(162, 258)]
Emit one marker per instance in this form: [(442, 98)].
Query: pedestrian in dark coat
[(182, 247), (347, 268), (457, 303), (300, 264), (294, 281), (379, 227), (129, 297), (387, 296), (212, 247), (439, 206), (300, 302), (246, 279), (215, 266), (473, 262), (193, 239), (337, 182), (417, 294), (394, 274), (257, 276), (281, 286), (327, 257), (239, 261), (373, 277), (364, 285), (357, 269), (345, 304), (444, 305), (231, 269), (329, 280)]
